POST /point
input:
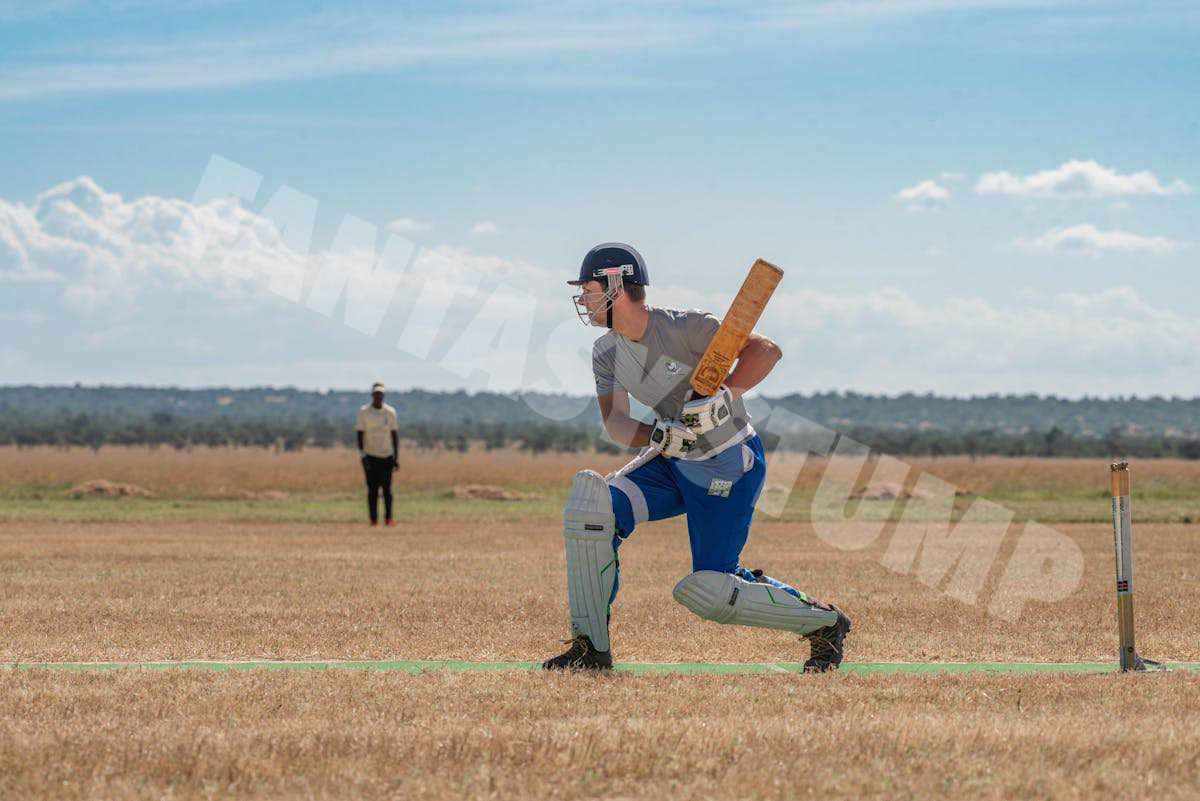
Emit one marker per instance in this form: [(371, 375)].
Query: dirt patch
[(488, 492), (888, 491), (261, 495), (100, 488)]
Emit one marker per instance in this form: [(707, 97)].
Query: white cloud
[(139, 291), (925, 195), (1086, 179), (796, 15), (99, 287), (407, 225), (1087, 239), (104, 250), (484, 228), (338, 43), (372, 38), (16, 11), (890, 340)]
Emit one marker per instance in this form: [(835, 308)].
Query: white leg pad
[(588, 527), (726, 598)]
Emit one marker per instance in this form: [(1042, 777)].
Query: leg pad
[(726, 598), (588, 528)]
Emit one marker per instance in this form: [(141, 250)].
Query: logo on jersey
[(720, 487)]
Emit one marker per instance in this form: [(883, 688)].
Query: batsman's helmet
[(600, 261)]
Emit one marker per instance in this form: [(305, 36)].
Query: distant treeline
[(1006, 414), (161, 429), (291, 419), (1052, 443), (164, 429)]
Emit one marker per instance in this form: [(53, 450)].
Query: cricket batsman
[(700, 458)]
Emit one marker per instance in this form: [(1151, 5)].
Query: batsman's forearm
[(625, 430), (754, 364)]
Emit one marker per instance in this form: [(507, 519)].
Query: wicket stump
[(1123, 544)]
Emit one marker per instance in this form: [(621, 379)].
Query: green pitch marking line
[(644, 668)]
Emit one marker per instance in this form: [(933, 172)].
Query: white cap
[(377, 387)]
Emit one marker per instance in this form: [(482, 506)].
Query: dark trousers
[(379, 477)]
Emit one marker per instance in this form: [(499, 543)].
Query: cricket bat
[(735, 328)]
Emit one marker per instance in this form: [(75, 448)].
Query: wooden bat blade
[(735, 328)]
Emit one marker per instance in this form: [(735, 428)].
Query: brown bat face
[(735, 328)]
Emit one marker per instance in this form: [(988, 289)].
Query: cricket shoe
[(582, 655), (827, 644)]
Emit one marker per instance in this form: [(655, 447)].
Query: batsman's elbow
[(771, 349)]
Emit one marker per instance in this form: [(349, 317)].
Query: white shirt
[(377, 426)]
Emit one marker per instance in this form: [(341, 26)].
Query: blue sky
[(706, 134)]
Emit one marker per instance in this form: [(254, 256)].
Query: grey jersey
[(656, 371)]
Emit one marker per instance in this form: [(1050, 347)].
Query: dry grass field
[(209, 569), (228, 473), (518, 735)]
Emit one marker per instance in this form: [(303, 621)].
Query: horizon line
[(1133, 398)]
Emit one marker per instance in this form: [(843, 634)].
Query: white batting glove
[(704, 414), (672, 438)]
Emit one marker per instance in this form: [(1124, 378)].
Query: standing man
[(700, 458), (379, 451)]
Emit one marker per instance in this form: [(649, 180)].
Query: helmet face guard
[(611, 277)]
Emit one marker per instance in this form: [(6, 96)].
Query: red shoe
[(374, 523), (391, 522)]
